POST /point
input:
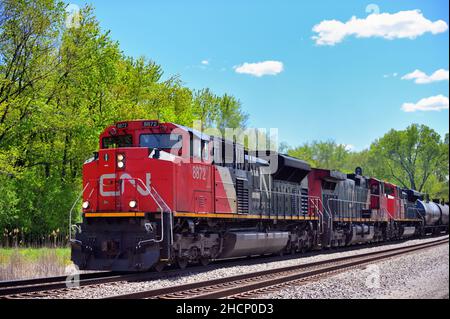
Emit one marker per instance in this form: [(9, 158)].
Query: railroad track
[(255, 284), (45, 287)]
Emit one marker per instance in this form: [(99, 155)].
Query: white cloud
[(403, 24), (260, 68), (205, 62), (349, 147), (433, 103), (420, 77)]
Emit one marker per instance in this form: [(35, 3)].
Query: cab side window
[(205, 150)]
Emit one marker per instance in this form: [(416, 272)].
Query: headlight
[(120, 157), (120, 164), (132, 204), (85, 205)]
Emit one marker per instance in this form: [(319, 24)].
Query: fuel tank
[(408, 231), (240, 244), (430, 211), (361, 234)]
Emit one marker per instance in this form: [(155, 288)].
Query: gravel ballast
[(419, 275), (348, 285)]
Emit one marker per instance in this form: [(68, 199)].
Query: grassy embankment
[(33, 262)]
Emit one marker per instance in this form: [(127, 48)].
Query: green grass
[(23, 263), (35, 254)]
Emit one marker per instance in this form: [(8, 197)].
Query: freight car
[(161, 193), (434, 214)]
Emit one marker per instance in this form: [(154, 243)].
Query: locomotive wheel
[(204, 261), (182, 263), (160, 266)]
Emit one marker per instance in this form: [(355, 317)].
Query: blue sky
[(350, 91)]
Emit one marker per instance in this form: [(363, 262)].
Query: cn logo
[(125, 179)]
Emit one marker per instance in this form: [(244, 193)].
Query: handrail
[(346, 201), (73, 207), (315, 201), (417, 213), (317, 209), (330, 216), (312, 200), (383, 199), (162, 205), (160, 202), (385, 213)]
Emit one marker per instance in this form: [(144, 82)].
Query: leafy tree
[(230, 114), (205, 107), (415, 158), (59, 88), (411, 156), (329, 154)]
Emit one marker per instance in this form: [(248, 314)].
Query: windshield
[(162, 141), (117, 141)]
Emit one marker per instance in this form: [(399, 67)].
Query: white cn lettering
[(143, 190), (102, 185)]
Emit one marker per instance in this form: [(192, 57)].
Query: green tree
[(59, 88), (410, 156), (328, 155), (230, 113), (415, 158)]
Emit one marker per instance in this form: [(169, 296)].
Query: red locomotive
[(160, 193)]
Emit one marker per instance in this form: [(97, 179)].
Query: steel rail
[(29, 286), (46, 280), (241, 284)]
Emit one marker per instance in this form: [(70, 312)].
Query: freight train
[(158, 194)]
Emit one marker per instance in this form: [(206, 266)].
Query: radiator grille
[(304, 201), (242, 197)]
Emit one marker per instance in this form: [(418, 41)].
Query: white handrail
[(160, 202), (73, 207), (346, 201), (417, 213), (316, 206)]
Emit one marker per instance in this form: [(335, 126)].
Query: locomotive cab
[(128, 189)]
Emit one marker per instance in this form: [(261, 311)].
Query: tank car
[(434, 214)]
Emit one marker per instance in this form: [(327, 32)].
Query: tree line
[(415, 158), (60, 87)]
